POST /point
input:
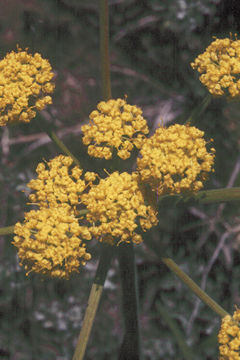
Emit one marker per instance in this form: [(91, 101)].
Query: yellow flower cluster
[(175, 160), (220, 67), (115, 125), (25, 85), (58, 183), (51, 240), (229, 337), (117, 208)]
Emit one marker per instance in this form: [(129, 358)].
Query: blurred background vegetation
[(152, 45)]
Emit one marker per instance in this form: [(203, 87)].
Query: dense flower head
[(52, 239), (220, 67), (117, 208), (50, 242), (114, 125), (229, 337), (25, 85), (59, 182), (175, 160)]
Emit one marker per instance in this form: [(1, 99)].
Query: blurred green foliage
[(152, 45)]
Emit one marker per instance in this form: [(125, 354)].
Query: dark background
[(152, 44)]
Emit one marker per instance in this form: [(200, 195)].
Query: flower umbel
[(50, 241), (116, 208), (25, 85), (220, 67), (115, 124), (175, 160), (229, 337), (58, 183)]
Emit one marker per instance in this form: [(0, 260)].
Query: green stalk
[(173, 326), (105, 258), (93, 301), (131, 347), (7, 230), (194, 287), (104, 50), (57, 142), (209, 196), (199, 109), (62, 146), (218, 195)]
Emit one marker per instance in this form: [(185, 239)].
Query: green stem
[(218, 195), (7, 230), (209, 196), (199, 109), (105, 258), (194, 287), (62, 146), (106, 255), (104, 49), (131, 347), (57, 141), (173, 326), (93, 301)]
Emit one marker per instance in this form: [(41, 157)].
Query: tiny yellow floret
[(219, 67), (25, 85), (175, 160), (114, 125), (229, 337)]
